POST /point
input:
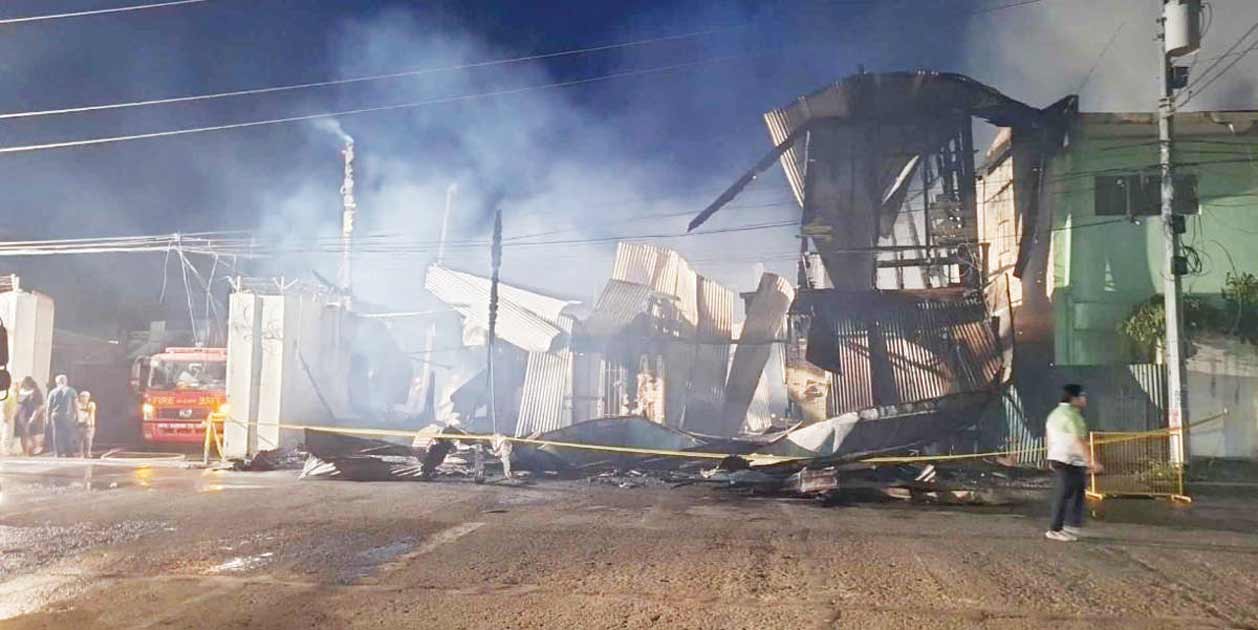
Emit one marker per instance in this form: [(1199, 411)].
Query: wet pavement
[(100, 546)]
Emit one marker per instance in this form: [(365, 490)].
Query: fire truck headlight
[(225, 409), (147, 410)]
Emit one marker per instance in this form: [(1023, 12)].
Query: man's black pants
[(1071, 482)]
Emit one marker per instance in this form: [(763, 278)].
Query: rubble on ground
[(658, 460)]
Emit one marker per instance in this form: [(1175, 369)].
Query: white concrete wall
[(29, 319), (284, 353), (1223, 375), (243, 358)]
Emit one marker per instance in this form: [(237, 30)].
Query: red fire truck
[(179, 388)]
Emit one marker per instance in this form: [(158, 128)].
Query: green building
[(1074, 240)]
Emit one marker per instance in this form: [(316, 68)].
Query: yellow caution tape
[(947, 458), (755, 458)]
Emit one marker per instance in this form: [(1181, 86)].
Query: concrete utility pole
[(349, 212), (1179, 34)]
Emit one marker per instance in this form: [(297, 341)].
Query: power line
[(251, 247), (999, 7), (978, 11), (368, 78), (376, 109), (1218, 75), (1206, 80), (375, 77), (1088, 77), (1230, 52), (75, 14)]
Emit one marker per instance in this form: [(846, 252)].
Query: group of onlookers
[(65, 418)]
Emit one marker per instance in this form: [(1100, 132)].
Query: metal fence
[(1135, 464), (1121, 398)]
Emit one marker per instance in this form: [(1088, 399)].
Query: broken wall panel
[(900, 347), (764, 327), (852, 376), (665, 271), (665, 333), (620, 303), (545, 398), (770, 400), (706, 396), (470, 402), (626, 431), (807, 385), (883, 429), (588, 386), (526, 319)]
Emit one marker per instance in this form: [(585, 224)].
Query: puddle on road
[(366, 563), (27, 547), (242, 563), (30, 593), (38, 565), (383, 559)]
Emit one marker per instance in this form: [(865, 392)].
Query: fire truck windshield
[(170, 374)]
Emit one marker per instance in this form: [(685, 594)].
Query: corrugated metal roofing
[(883, 429), (527, 320), (898, 347), (619, 304), (663, 270), (706, 398), (781, 123), (693, 320), (891, 96), (547, 392)]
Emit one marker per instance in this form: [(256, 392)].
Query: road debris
[(575, 452)]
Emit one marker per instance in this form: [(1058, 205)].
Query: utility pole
[(1179, 34), (349, 211), (495, 254)]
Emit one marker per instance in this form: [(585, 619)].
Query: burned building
[(875, 160), (888, 341), (533, 363), (657, 344)]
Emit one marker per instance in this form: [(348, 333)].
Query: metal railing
[(1135, 464)]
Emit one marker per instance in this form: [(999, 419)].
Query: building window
[(1140, 195)]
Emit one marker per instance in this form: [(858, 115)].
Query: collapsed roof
[(851, 150)]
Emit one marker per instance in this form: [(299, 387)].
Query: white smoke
[(333, 126), (560, 171), (1043, 51)]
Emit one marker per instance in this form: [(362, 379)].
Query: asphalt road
[(113, 547)]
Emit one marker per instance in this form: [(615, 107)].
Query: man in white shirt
[(1066, 435)]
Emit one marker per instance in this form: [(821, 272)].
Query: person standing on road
[(1071, 459), (63, 414), (29, 400), (87, 423)]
